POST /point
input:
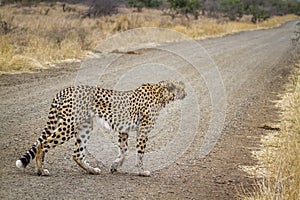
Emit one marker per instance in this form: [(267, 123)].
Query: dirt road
[(251, 70)]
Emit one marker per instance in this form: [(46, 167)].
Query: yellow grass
[(280, 155), (35, 38), (212, 27)]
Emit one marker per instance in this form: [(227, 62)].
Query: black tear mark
[(269, 128)]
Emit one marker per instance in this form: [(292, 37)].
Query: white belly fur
[(103, 123)]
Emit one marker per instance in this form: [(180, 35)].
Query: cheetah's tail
[(24, 160)]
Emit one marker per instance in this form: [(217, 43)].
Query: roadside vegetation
[(36, 34), (278, 173)]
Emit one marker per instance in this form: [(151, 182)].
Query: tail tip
[(19, 164)]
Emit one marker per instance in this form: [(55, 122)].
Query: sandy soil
[(253, 67)]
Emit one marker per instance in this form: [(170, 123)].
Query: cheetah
[(74, 108)]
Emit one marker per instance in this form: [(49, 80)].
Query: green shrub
[(139, 4), (185, 7), (233, 9), (258, 14)]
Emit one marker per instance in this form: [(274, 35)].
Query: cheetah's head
[(173, 90)]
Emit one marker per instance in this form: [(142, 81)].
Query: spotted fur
[(74, 108)]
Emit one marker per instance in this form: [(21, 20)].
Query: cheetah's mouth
[(182, 96)]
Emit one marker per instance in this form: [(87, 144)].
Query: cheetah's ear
[(170, 86), (181, 84)]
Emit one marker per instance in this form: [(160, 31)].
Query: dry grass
[(279, 171), (207, 27), (34, 39), (38, 36)]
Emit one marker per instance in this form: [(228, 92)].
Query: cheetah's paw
[(145, 173), (44, 172), (95, 171), (114, 167)]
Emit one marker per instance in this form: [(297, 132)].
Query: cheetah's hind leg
[(59, 136), (123, 146), (40, 155), (82, 139)]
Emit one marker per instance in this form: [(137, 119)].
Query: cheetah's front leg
[(123, 146), (141, 145)]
